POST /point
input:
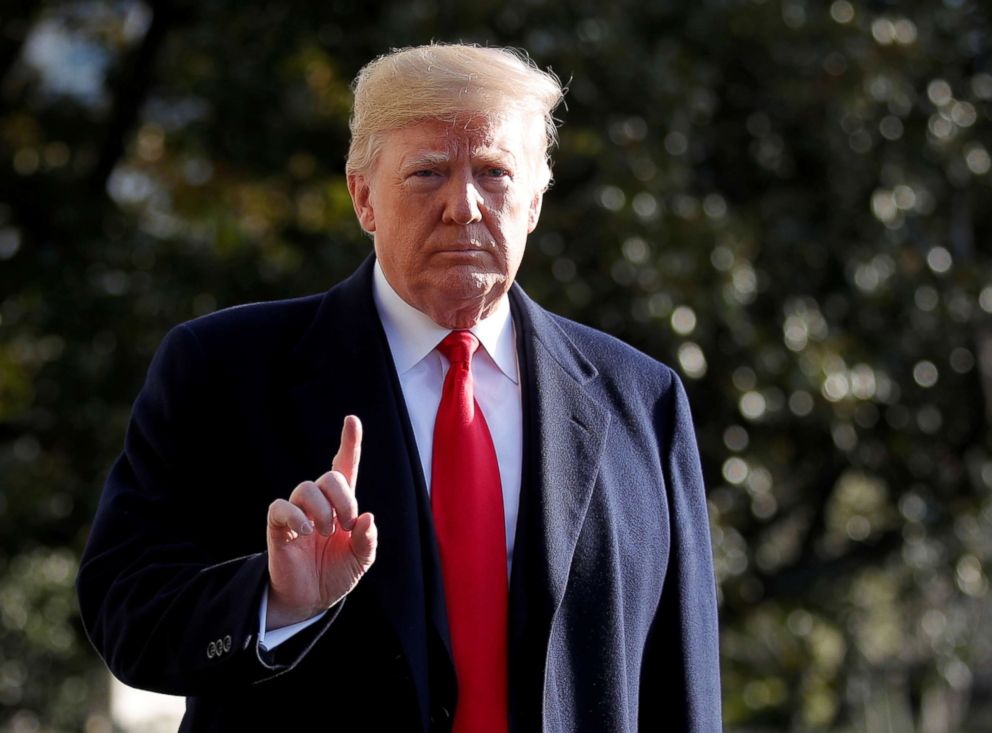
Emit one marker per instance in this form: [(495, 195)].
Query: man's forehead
[(460, 133), (478, 134)]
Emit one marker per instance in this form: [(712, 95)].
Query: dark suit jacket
[(613, 621)]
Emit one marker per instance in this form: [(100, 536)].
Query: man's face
[(450, 207)]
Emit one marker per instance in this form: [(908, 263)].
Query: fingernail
[(351, 525), (306, 528)]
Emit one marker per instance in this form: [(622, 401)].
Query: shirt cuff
[(272, 638)]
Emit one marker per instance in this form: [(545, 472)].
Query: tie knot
[(458, 346)]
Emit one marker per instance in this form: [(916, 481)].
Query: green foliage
[(787, 201)]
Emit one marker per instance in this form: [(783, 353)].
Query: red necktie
[(467, 502)]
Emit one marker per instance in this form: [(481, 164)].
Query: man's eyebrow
[(434, 158), (493, 152), (426, 159)]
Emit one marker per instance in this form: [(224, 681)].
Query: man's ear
[(361, 199), (535, 211)]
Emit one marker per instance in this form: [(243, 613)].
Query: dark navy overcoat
[(613, 623)]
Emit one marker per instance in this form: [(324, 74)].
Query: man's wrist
[(272, 631), (280, 615)]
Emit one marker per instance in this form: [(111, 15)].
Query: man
[(527, 547)]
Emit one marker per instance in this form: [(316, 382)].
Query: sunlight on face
[(450, 205)]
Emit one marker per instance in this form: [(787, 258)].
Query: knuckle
[(306, 494), (340, 481), (335, 485)]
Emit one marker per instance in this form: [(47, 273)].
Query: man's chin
[(461, 302), (466, 282)]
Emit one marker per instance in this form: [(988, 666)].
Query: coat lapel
[(564, 433), (345, 368)]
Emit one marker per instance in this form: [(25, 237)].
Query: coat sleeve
[(162, 604), (680, 687)]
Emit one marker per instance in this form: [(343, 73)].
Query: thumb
[(364, 539)]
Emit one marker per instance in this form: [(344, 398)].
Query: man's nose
[(463, 202)]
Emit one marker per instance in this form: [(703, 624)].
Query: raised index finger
[(350, 450)]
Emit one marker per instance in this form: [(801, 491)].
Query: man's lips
[(465, 248), (467, 255)]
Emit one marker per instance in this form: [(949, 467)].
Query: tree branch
[(130, 92)]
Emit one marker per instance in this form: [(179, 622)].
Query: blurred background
[(787, 201)]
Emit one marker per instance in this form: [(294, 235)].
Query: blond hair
[(443, 81)]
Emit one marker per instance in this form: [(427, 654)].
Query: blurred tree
[(788, 201)]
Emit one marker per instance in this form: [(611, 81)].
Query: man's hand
[(319, 546)]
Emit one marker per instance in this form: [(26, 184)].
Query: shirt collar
[(412, 335)]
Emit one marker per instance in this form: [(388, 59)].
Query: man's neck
[(412, 334)]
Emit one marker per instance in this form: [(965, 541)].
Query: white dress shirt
[(413, 338)]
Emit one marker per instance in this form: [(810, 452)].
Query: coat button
[(211, 650)]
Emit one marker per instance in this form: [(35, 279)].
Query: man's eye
[(497, 172), (423, 174)]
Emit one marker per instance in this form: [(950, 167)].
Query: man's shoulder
[(259, 320), (611, 356), (283, 322), (253, 338)]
